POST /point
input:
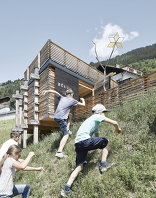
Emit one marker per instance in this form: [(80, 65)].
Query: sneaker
[(64, 193), (105, 167), (69, 132), (60, 155)]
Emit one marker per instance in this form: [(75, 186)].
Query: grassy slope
[(5, 128), (134, 150)]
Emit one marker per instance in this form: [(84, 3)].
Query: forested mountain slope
[(143, 58)]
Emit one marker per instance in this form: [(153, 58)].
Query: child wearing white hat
[(85, 142)]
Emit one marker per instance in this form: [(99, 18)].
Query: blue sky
[(26, 25)]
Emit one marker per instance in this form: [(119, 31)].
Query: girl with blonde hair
[(8, 166)]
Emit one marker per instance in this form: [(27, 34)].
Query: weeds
[(134, 151)]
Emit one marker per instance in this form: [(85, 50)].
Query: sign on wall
[(64, 81)]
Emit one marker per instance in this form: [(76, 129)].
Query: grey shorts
[(63, 125)]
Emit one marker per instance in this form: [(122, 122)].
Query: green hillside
[(143, 58), (8, 89), (134, 151), (147, 66)]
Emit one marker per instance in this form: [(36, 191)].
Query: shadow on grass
[(41, 137), (152, 126), (30, 140), (92, 162), (55, 144)]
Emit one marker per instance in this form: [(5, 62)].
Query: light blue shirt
[(89, 127)]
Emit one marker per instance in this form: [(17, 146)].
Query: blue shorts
[(84, 146), (63, 125)]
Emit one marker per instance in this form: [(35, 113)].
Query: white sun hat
[(98, 108)]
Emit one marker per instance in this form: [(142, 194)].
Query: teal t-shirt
[(89, 127)]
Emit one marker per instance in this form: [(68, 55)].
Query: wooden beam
[(85, 86)]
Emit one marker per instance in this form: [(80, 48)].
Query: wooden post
[(93, 92), (35, 122), (24, 88), (93, 98), (145, 84), (18, 98), (17, 113), (20, 111), (39, 63), (35, 140)]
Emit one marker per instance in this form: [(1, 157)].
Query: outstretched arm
[(23, 164), (51, 91), (28, 168), (115, 124), (82, 102)]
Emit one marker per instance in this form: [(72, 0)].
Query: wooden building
[(53, 68)]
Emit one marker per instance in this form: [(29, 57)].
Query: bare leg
[(68, 125), (63, 142), (69, 121), (74, 174), (104, 153)]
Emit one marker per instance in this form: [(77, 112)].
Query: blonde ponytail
[(13, 150), (2, 162)]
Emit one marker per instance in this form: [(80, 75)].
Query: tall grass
[(134, 151), (5, 129)]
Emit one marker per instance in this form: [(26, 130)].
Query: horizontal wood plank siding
[(59, 55), (127, 92), (46, 102), (73, 63)]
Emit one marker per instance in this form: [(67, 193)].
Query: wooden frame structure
[(126, 92), (53, 68)]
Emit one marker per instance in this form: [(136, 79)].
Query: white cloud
[(109, 31)]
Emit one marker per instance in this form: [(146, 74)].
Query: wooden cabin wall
[(64, 81), (81, 112), (55, 79), (71, 62), (46, 102), (51, 97), (59, 55)]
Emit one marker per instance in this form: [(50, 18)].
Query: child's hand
[(31, 154), (40, 169), (82, 99), (119, 131), (44, 92)]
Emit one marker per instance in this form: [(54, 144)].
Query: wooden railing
[(130, 91), (64, 58)]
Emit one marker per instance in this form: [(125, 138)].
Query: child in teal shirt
[(84, 142)]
